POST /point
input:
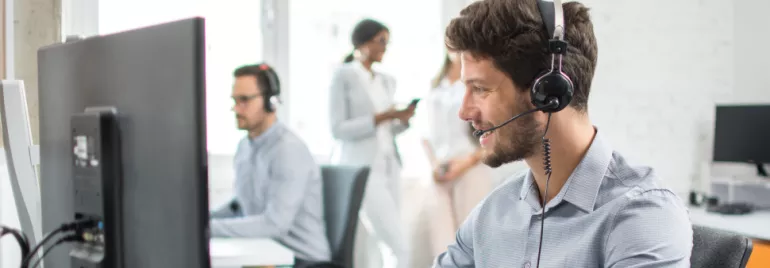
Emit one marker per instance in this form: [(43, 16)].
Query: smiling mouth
[(485, 138)]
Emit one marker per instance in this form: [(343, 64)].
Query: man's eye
[(478, 89)]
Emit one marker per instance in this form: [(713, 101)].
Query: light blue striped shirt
[(278, 195), (608, 214)]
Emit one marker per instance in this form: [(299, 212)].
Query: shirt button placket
[(526, 265)]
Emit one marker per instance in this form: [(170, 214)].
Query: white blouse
[(440, 123), (375, 86)]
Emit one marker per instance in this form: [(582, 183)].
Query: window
[(319, 33), (233, 38), (116, 16)]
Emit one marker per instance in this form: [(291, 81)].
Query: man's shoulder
[(644, 214), (288, 143), (623, 173), (629, 186), (289, 154)]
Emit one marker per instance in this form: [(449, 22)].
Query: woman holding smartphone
[(365, 123), (460, 180)]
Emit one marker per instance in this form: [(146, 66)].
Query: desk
[(753, 225), (240, 252)]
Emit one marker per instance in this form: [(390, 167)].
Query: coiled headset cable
[(547, 164)]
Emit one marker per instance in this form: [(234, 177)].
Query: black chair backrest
[(717, 248), (343, 188)]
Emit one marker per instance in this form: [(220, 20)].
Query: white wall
[(660, 70), (751, 70), (662, 67), (656, 98)]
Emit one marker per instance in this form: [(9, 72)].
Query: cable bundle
[(75, 232), (21, 238)]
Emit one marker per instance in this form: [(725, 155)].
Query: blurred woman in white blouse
[(461, 180), (365, 124)]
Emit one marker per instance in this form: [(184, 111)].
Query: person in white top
[(365, 124), (460, 179)]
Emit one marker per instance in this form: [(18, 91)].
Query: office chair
[(343, 190), (717, 248)]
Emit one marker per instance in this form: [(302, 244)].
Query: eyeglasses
[(244, 99)]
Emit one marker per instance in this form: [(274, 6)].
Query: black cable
[(68, 238), (547, 164), (21, 238), (76, 225), (28, 257)]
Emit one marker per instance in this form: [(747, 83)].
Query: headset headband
[(553, 10), (558, 20)]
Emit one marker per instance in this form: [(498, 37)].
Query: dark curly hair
[(511, 33)]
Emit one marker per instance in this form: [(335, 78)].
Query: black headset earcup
[(268, 105), (272, 103), (266, 96), (553, 84), (273, 90)]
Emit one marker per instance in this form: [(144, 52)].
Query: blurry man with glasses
[(277, 189)]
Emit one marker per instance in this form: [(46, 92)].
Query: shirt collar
[(582, 186), (271, 132), (361, 70)]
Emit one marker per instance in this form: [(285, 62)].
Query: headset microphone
[(552, 103)]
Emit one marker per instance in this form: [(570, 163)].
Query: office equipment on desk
[(244, 252), (717, 248), (343, 188), (731, 208), (741, 135), (154, 79), (755, 192), (722, 206)]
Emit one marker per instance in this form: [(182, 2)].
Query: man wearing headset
[(278, 184), (600, 210)]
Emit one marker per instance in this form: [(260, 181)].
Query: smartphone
[(443, 169), (414, 102)]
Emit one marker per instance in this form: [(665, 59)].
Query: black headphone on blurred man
[(268, 83)]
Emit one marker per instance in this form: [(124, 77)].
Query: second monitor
[(742, 135)]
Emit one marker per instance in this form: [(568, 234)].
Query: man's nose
[(468, 111)]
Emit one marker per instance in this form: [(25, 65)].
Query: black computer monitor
[(154, 78), (742, 134)]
